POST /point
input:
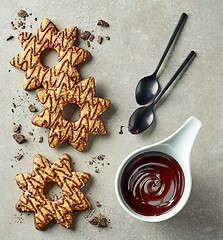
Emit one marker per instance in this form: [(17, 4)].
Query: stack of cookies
[(62, 84)]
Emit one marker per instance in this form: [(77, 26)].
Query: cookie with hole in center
[(34, 200), (48, 37), (76, 132)]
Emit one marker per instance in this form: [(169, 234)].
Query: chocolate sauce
[(121, 130), (152, 183)]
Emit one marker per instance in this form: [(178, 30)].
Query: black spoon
[(147, 88), (143, 117)]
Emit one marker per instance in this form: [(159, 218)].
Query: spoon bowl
[(146, 90), (136, 125)]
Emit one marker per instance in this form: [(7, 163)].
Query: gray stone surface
[(139, 32)]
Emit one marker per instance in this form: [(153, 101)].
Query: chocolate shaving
[(16, 128), (22, 13), (96, 170), (98, 221), (41, 139), (32, 108), (85, 35), (99, 39), (91, 38), (19, 156), (88, 43), (19, 138), (107, 38), (9, 38), (102, 23), (98, 204)]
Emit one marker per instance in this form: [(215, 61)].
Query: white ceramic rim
[(159, 218)]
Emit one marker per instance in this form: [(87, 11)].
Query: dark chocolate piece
[(19, 138), (102, 23), (16, 128), (98, 221), (85, 35)]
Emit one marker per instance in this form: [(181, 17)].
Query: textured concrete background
[(139, 32)]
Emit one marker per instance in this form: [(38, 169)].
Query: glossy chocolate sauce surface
[(152, 183)]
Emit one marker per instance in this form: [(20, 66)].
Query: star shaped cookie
[(34, 200), (48, 37), (61, 130)]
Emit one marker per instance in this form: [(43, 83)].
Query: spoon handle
[(191, 56), (176, 31)]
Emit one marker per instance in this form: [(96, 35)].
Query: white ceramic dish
[(178, 146)]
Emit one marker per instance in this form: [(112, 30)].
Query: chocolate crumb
[(35, 19), (19, 218), (100, 39), (88, 43), (11, 166), (14, 28), (19, 156), (108, 163), (23, 27), (30, 133), (102, 23), (85, 35), (30, 14), (30, 25), (12, 110), (41, 139), (98, 221), (9, 38), (96, 170), (107, 38), (20, 23), (32, 108), (91, 37), (14, 105), (22, 13), (90, 162), (19, 138), (16, 128), (101, 157), (98, 204), (9, 70)]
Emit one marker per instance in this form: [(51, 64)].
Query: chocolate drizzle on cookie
[(34, 200), (75, 132), (49, 37)]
